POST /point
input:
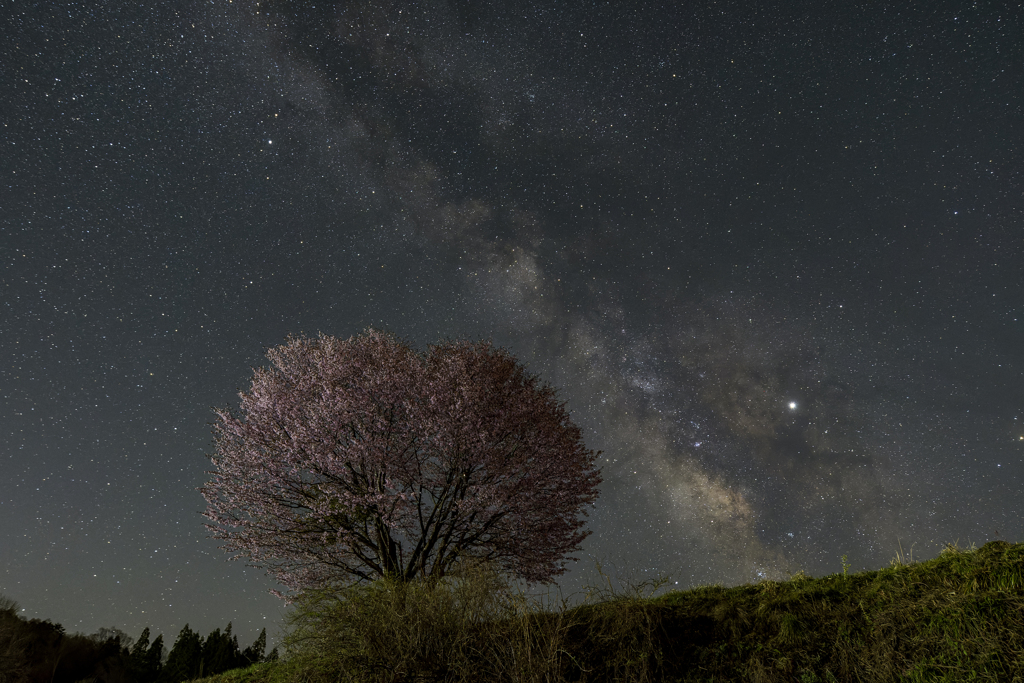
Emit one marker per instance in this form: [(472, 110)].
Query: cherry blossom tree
[(351, 460)]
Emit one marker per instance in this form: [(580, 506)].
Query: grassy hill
[(958, 617)]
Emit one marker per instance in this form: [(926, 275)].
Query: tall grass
[(957, 617), (473, 625)]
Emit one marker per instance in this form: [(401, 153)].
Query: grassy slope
[(957, 617)]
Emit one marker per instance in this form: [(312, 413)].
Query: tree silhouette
[(254, 653), (13, 643), (356, 459), (151, 664), (144, 658), (37, 651), (184, 662), (137, 656), (220, 652)]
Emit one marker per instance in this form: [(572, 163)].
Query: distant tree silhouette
[(104, 633), (105, 657), (13, 650), (46, 649), (153, 660), (220, 652), (254, 653), (144, 659), (195, 657), (141, 647), (185, 659), (38, 651), (45, 653)]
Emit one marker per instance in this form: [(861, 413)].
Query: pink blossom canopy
[(354, 459)]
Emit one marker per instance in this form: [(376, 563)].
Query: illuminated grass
[(957, 617)]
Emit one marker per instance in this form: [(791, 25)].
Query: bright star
[(792, 405)]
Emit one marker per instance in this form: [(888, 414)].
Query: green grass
[(958, 617)]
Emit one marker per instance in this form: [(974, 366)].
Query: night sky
[(771, 254)]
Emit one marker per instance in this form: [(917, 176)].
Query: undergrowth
[(957, 617)]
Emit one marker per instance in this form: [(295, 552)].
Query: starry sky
[(771, 254)]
